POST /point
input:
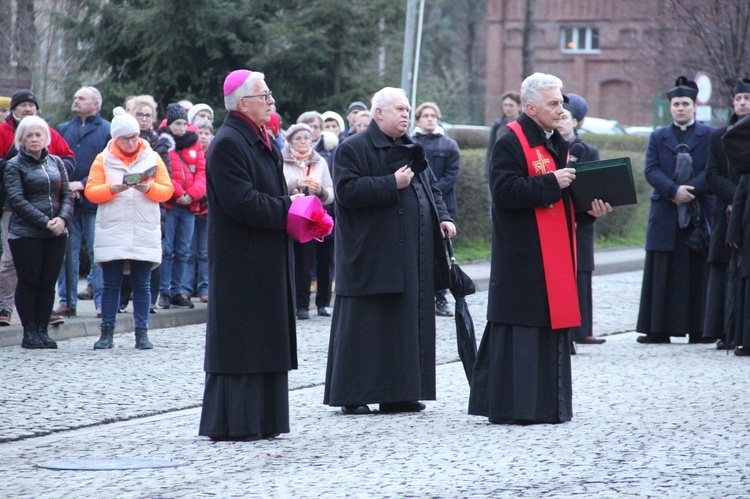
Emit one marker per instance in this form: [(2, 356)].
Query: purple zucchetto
[(235, 79)]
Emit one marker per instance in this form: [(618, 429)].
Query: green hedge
[(625, 225)]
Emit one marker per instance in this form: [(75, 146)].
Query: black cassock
[(382, 346)]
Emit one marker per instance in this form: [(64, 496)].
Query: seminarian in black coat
[(722, 182), (522, 372), (674, 275), (251, 335), (390, 259)]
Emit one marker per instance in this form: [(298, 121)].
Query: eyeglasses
[(266, 96), (131, 138), (142, 116)]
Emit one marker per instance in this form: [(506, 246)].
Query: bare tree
[(25, 39), (6, 38), (529, 27), (722, 30)]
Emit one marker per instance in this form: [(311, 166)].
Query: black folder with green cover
[(610, 180)]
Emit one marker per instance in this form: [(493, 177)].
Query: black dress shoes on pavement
[(722, 345), (392, 407), (742, 352), (355, 409), (323, 312), (654, 338), (442, 310), (591, 340), (303, 314)]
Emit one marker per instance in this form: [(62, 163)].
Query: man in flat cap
[(674, 276)]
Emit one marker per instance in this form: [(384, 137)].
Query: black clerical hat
[(742, 86), (683, 88)]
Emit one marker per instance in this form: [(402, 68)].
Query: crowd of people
[(169, 212)]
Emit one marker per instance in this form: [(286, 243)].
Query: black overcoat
[(722, 183), (251, 327), (661, 231), (518, 292), (370, 248)]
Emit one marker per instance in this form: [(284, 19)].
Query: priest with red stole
[(522, 373)]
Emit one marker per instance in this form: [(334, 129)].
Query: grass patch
[(475, 250)]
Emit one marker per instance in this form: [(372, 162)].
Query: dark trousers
[(324, 255), (126, 290), (37, 261), (303, 253)]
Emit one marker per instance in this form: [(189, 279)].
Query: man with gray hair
[(87, 134), (390, 259), (251, 341), (522, 372)]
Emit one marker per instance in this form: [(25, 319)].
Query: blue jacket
[(660, 168), (87, 139), (444, 160)]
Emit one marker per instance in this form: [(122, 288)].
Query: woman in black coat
[(36, 186), (251, 339)]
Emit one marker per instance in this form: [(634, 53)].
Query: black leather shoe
[(302, 314), (442, 310), (355, 409), (323, 312), (654, 338), (392, 407), (742, 352), (722, 345), (591, 340), (242, 438)]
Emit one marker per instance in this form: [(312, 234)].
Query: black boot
[(141, 339), (44, 337), (31, 336), (106, 339)]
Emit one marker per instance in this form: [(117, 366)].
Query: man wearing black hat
[(351, 114), (674, 276), (23, 103), (722, 182)]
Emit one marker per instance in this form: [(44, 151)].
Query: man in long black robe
[(522, 372), (390, 220)]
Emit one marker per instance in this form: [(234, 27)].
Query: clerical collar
[(548, 134), (684, 127)]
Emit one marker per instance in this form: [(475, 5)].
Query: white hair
[(27, 124), (385, 96), (96, 95), (532, 87), (232, 101)]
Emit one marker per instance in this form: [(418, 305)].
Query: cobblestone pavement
[(650, 420)]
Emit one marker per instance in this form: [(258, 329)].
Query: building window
[(580, 40)]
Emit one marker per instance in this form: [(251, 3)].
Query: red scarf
[(260, 129), (558, 260)]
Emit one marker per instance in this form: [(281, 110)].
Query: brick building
[(605, 50)]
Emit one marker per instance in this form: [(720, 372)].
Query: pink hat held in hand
[(235, 79)]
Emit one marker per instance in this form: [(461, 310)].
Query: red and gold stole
[(557, 256)]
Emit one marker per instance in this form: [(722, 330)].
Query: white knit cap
[(197, 109), (123, 124)]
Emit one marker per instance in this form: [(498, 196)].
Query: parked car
[(644, 131), (601, 126)]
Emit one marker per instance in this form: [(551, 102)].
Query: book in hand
[(610, 180), (137, 178)]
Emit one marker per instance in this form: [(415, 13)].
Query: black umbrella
[(462, 286), (71, 279)]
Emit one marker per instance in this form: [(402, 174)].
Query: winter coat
[(251, 326), (722, 183), (518, 290), (444, 160), (37, 191), (128, 223), (316, 168), (661, 155), (188, 170), (88, 138), (368, 217)]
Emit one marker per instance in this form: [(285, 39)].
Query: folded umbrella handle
[(449, 247)]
